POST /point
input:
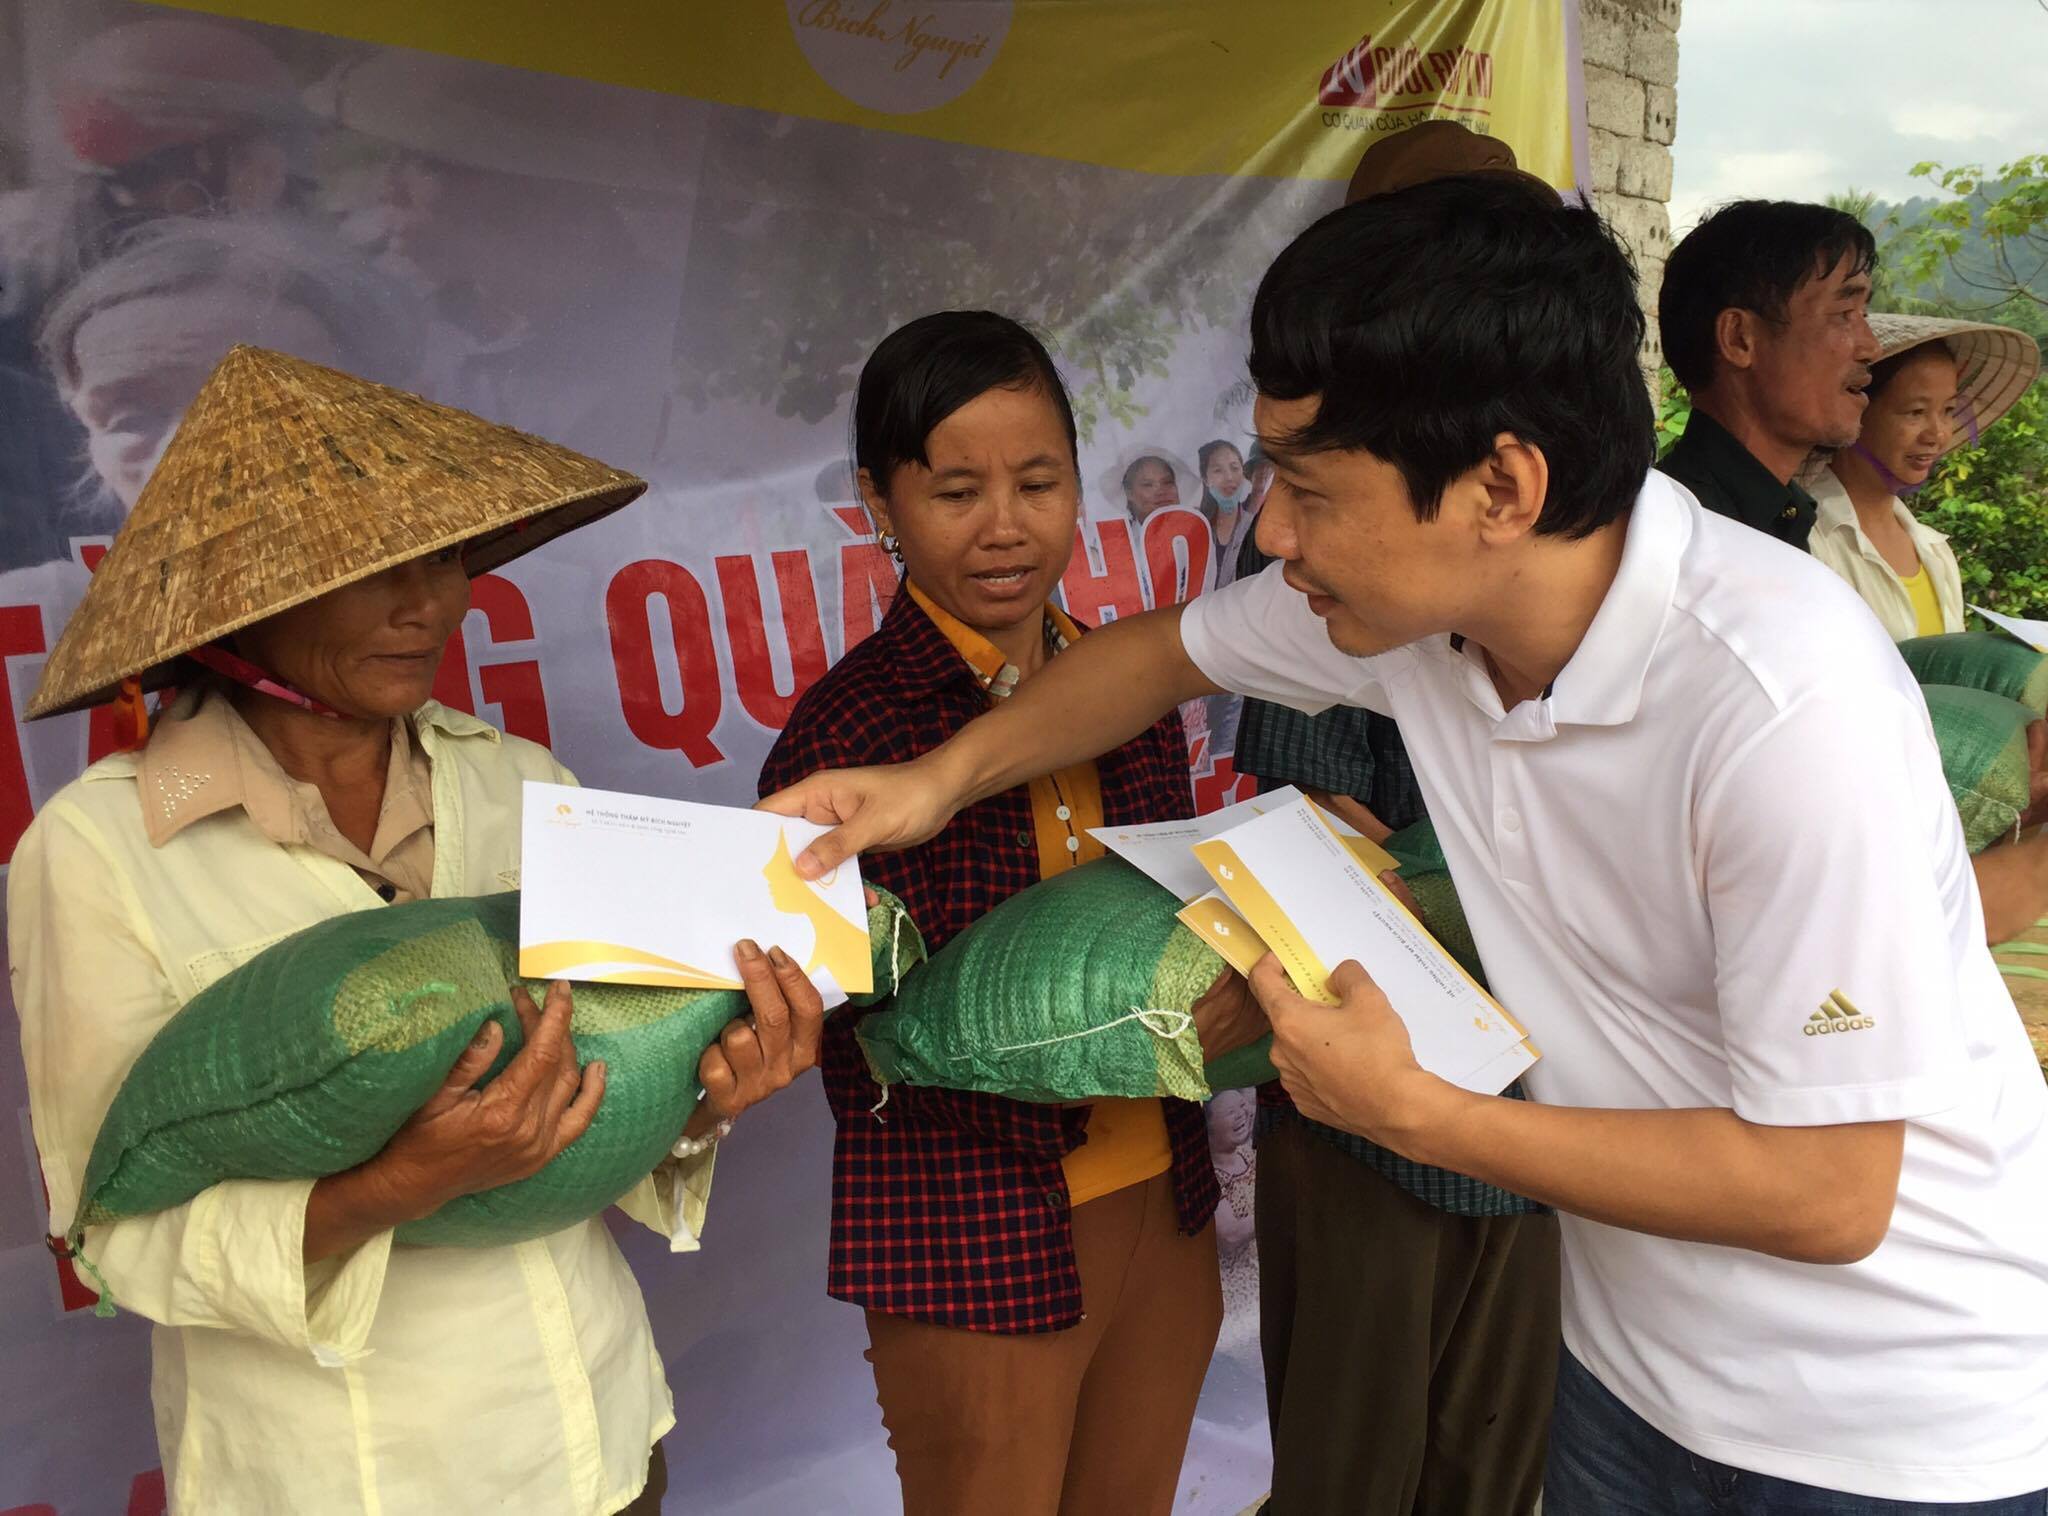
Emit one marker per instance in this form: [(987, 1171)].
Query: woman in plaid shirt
[(1040, 1281)]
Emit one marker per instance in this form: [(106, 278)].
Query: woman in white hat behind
[(1939, 384), (297, 563)]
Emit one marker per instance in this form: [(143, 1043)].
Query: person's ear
[(1737, 334), (1515, 480), (876, 504)]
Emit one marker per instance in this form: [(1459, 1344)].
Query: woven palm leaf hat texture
[(285, 481), (1994, 364)]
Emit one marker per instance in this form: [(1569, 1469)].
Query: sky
[(1793, 99)]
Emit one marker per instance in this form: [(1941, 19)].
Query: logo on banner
[(1375, 74), (900, 58)]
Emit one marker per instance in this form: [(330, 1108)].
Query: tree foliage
[(819, 239), (1982, 246), (1989, 501)]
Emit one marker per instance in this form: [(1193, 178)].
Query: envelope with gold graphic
[(635, 889), (1309, 895), (1164, 851)]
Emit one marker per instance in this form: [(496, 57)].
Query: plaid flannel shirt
[(1349, 751), (951, 1206)]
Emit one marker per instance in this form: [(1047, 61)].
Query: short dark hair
[(927, 369), (1434, 318), (1749, 255)]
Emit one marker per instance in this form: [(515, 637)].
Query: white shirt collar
[(1602, 685)]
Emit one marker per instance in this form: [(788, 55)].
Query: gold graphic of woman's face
[(786, 889)]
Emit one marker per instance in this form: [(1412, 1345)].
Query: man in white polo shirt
[(1697, 819)]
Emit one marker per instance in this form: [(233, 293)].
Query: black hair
[(1209, 450), (1749, 255), (1131, 469), (1203, 454), (927, 369), (1430, 320)]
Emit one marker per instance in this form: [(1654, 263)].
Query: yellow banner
[(1289, 88)]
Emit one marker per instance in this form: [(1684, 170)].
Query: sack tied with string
[(308, 1058), (1084, 987), (1077, 988)]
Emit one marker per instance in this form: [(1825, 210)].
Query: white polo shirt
[(1717, 865)]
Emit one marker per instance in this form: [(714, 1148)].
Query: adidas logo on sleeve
[(1837, 1014)]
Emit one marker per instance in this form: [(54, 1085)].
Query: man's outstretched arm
[(1094, 697)]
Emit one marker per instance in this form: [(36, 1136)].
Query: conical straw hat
[(286, 480), (1994, 364), (1184, 478)]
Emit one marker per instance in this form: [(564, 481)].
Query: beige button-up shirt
[(206, 760), (391, 1380), (1840, 542)]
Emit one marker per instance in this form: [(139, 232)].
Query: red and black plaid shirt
[(948, 1205)]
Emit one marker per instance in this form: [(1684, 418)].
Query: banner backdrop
[(668, 236)]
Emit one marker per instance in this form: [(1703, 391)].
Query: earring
[(892, 545)]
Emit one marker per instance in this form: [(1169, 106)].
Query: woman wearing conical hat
[(1939, 384), (297, 564)]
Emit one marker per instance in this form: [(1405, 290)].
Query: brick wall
[(1631, 54)]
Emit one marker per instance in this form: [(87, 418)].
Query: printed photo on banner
[(675, 263)]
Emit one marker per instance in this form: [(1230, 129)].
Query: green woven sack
[(1981, 661), (1983, 740), (1242, 1069), (305, 1060), (1074, 989)]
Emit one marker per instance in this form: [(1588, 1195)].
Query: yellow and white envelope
[(1161, 850), (1164, 852), (636, 889), (1215, 920), (1310, 895)]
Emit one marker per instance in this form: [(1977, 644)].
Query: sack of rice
[(308, 1058), (1981, 661), (1983, 741), (1083, 987), (1073, 989)]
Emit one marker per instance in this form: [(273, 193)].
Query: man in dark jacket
[(1764, 318)]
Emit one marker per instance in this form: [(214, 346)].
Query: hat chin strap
[(1966, 417), (1885, 476), (235, 667)]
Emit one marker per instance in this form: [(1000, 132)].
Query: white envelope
[(635, 889), (1303, 888), (2033, 633), (1162, 850)]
